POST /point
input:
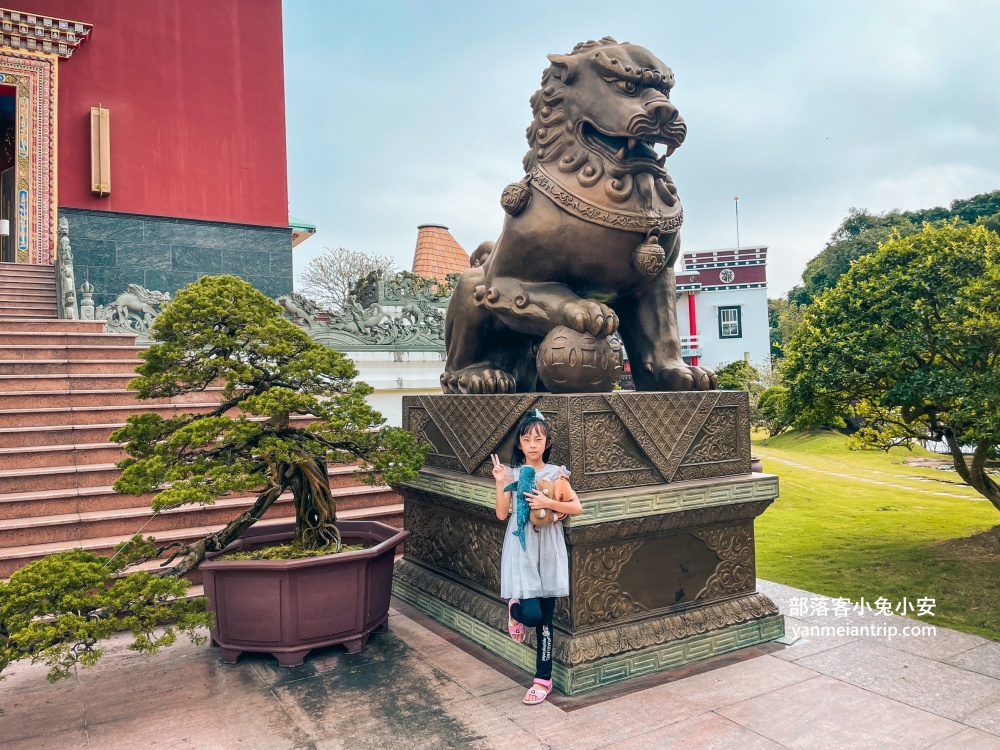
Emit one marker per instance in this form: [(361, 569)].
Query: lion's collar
[(637, 208)]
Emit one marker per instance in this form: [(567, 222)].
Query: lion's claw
[(478, 380), (588, 316), (680, 376)]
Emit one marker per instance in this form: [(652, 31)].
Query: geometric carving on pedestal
[(609, 441), (664, 424), (474, 424)]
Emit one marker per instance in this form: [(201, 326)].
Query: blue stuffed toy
[(525, 483)]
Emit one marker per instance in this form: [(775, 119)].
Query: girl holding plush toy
[(534, 568)]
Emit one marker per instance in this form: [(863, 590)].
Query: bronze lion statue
[(591, 235)]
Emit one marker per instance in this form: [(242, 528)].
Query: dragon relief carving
[(590, 237), (133, 311), (413, 316)]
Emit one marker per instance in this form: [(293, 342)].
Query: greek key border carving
[(604, 507), (576, 650)]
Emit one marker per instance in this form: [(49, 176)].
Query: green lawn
[(851, 536)]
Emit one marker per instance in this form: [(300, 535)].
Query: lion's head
[(600, 112)]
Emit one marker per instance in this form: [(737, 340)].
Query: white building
[(722, 306)]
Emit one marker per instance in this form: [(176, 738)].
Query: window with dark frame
[(730, 322)]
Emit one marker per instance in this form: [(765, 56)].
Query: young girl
[(534, 568)]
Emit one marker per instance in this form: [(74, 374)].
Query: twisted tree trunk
[(192, 554), (315, 508)]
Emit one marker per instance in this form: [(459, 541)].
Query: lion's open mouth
[(622, 148)]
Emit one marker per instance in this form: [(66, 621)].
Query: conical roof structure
[(438, 253)]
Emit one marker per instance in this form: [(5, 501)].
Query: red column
[(692, 322)]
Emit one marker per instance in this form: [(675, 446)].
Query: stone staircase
[(62, 394), (27, 292)]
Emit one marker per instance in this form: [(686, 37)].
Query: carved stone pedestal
[(661, 560)]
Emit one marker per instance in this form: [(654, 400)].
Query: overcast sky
[(405, 113)]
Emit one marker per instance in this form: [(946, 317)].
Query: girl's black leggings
[(537, 613)]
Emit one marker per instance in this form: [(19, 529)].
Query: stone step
[(8, 316), (59, 382), (11, 297), (12, 275), (42, 305), (57, 478), (32, 367), (61, 326), (124, 522), (74, 500), (101, 397), (89, 499), (74, 353), (94, 415), (14, 558), (60, 455), (69, 434), (29, 283), (34, 267), (65, 338)]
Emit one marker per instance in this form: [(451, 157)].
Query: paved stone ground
[(419, 686)]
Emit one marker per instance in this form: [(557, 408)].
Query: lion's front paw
[(478, 380), (677, 375), (588, 316)]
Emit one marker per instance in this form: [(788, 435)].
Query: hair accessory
[(538, 415)]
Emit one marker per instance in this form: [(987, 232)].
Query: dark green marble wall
[(112, 250)]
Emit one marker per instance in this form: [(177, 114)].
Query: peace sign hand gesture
[(499, 470)]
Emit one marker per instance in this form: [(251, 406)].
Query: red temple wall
[(196, 95)]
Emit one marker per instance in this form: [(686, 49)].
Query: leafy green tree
[(219, 330), (991, 222), (58, 609), (909, 340), (773, 407), (858, 235), (222, 330), (784, 318), (862, 232), (738, 376)]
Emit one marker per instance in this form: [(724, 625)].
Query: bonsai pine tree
[(219, 330)]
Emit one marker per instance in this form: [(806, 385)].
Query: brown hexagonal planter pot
[(289, 607)]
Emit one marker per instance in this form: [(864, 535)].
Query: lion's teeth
[(632, 142), (620, 154)]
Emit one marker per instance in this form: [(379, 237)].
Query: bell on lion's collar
[(649, 258), (515, 197)]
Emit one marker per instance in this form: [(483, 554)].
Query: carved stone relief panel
[(461, 543), (598, 440)]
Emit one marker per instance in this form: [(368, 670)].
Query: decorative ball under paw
[(572, 362)]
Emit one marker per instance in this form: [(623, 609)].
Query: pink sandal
[(538, 692), (515, 628)]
